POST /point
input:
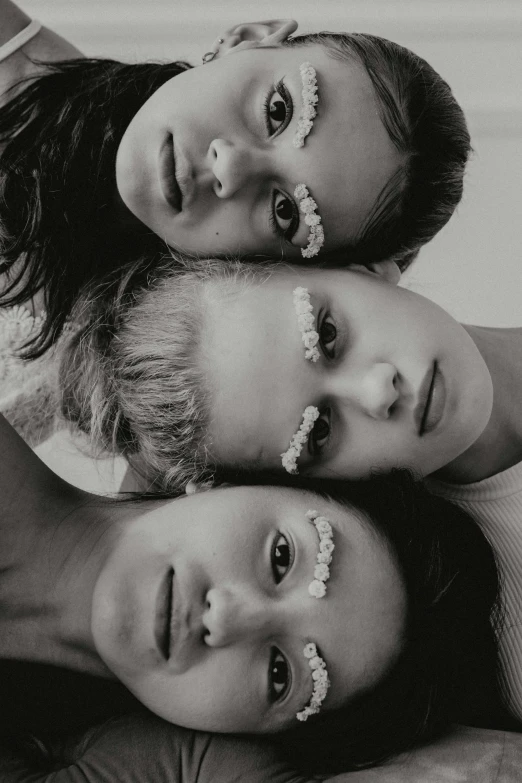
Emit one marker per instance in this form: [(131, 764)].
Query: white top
[(496, 504), (25, 35)]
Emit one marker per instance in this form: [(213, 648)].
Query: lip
[(162, 626), (167, 175), (432, 401)]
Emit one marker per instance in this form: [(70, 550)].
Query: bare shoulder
[(12, 21), (46, 46)]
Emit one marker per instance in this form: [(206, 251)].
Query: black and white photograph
[(260, 391)]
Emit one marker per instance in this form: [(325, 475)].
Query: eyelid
[(284, 695), (280, 88), (309, 442)]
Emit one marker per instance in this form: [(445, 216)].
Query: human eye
[(281, 557), (327, 336), (278, 109), (320, 433), (284, 216), (278, 675)]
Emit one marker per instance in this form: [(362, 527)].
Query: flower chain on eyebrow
[(317, 588), (308, 207), (306, 322), (321, 682), (310, 99), (290, 456)]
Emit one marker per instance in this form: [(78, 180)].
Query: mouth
[(432, 400), (167, 175), (164, 615)]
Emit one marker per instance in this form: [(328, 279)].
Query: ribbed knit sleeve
[(496, 504)]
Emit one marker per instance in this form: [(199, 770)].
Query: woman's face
[(202, 609), (398, 382), (208, 162)]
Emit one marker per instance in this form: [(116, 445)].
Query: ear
[(388, 270), (253, 35)]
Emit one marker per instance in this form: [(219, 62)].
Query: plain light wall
[(474, 267)]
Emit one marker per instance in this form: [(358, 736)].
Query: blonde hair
[(133, 379)]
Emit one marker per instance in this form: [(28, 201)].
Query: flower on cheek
[(312, 219), (291, 455), (306, 322), (310, 99), (317, 588), (320, 680)]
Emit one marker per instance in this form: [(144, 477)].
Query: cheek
[(215, 696)]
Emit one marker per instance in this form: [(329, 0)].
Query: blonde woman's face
[(202, 608), (398, 382), (208, 162)]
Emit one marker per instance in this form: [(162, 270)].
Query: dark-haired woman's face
[(208, 163), (203, 609)]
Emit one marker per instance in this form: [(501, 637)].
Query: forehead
[(348, 157), (255, 365)]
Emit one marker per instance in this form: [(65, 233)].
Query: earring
[(209, 56)]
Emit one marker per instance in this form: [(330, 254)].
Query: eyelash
[(280, 88), (285, 234), (326, 414), (289, 108), (313, 448), (329, 353)]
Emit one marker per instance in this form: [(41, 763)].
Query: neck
[(54, 543), (499, 446)]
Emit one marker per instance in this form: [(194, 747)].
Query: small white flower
[(308, 207), (324, 528), (321, 572), (306, 322), (309, 99), (327, 546), (290, 456), (316, 662), (317, 589), (320, 680)]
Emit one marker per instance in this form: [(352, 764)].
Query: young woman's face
[(208, 162), (203, 611), (398, 382)]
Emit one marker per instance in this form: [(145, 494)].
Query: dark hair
[(58, 207), (448, 671), (427, 125), (59, 212)]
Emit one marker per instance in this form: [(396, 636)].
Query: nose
[(233, 614), (232, 165), (374, 389)]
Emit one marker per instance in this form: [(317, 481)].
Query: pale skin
[(367, 383), (82, 586)]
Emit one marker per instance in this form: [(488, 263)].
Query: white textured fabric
[(496, 504), (28, 389), (25, 35)]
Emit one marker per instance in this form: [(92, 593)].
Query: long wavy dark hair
[(59, 212), (58, 204)]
